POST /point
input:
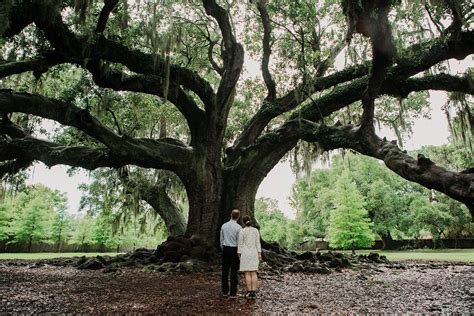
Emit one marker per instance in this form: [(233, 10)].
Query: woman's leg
[(248, 280), (254, 280)]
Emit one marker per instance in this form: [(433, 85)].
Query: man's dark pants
[(230, 261)]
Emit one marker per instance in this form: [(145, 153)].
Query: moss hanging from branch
[(81, 8), (361, 15), (461, 125)]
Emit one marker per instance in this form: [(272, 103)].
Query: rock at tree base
[(81, 260), (177, 254), (189, 255), (174, 249), (92, 264), (114, 267), (188, 266), (305, 256)]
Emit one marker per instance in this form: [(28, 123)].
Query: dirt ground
[(408, 287)]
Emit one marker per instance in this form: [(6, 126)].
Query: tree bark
[(386, 241), (166, 208), (204, 190)]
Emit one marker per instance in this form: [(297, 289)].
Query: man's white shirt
[(230, 234)]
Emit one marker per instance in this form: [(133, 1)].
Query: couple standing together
[(241, 250)]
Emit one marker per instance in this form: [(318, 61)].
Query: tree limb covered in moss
[(38, 65), (82, 50), (290, 101), (163, 153), (151, 84), (457, 185), (411, 61), (383, 52), (52, 154), (267, 50), (272, 146), (157, 197), (108, 7), (64, 113)]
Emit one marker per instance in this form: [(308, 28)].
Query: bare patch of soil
[(409, 287)]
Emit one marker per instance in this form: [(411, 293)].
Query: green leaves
[(361, 186), (273, 224), (34, 211), (349, 225)]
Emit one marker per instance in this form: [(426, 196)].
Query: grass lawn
[(50, 255), (460, 255)]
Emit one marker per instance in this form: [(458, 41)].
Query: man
[(230, 259)]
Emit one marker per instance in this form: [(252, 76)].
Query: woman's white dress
[(248, 248)]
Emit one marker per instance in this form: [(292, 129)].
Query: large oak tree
[(220, 172)]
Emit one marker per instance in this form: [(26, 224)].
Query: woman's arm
[(258, 245), (241, 242)]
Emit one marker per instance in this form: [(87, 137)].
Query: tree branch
[(267, 150), (383, 52), (164, 153), (233, 58), (214, 64), (459, 186), (415, 59), (12, 130), (343, 96), (28, 149), (38, 65), (82, 50), (222, 17), (291, 100), (61, 112), (109, 5), (157, 197), (267, 77), (151, 84), (430, 15)]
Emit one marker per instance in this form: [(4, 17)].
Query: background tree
[(61, 223), (33, 221), (349, 225), (313, 199), (6, 219), (190, 57), (273, 223), (83, 232)]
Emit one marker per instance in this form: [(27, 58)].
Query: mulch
[(407, 288)]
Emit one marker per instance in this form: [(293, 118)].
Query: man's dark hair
[(235, 214)]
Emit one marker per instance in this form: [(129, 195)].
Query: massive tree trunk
[(204, 191)]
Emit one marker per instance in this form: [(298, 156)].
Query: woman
[(250, 253)]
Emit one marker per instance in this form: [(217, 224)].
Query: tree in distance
[(349, 224)]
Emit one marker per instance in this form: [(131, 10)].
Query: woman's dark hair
[(247, 220)]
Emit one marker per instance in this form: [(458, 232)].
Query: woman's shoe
[(248, 295)]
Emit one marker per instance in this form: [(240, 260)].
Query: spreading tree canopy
[(110, 71)]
